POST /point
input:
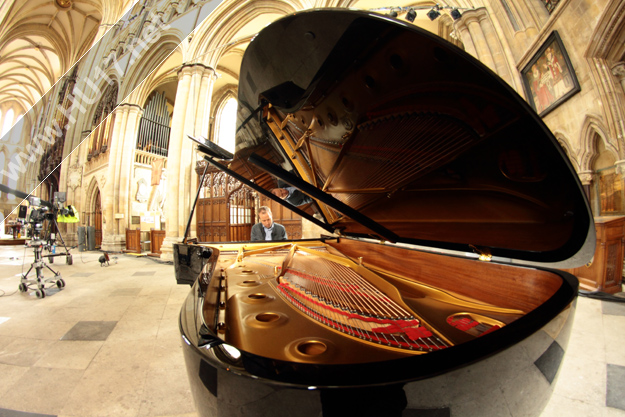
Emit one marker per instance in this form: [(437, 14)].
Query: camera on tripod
[(38, 214), (43, 219), (43, 225)]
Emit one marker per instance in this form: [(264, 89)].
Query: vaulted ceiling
[(41, 39)]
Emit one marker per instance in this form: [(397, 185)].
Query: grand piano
[(447, 206)]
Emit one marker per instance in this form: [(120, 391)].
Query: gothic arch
[(593, 127), (149, 60), (607, 47), (91, 194), (93, 207), (223, 24), (565, 144), (156, 79)]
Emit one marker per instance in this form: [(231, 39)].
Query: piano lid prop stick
[(197, 195)]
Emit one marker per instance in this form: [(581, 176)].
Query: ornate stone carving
[(586, 177), (620, 168), (618, 70), (74, 177)]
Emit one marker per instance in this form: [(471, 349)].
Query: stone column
[(192, 98), (472, 20), (496, 49), (108, 203), (112, 240), (124, 184)]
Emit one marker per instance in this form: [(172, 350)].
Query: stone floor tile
[(582, 379), (615, 396), (90, 330), (24, 352), (41, 328), (42, 390), (70, 354), (10, 375), (123, 354), (560, 406), (129, 329), (614, 334), (105, 392)]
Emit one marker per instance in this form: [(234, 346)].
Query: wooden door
[(97, 220)]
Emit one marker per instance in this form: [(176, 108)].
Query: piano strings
[(336, 296)]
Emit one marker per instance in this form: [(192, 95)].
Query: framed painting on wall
[(549, 78)]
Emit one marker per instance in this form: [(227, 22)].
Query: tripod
[(38, 265)]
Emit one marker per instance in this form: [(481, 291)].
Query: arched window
[(8, 122), (17, 129), (227, 124)]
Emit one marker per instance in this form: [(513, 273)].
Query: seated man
[(267, 229), (291, 195)]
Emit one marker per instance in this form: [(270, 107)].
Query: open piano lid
[(399, 135)]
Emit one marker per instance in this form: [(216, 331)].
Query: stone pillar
[(480, 39), (496, 48), (192, 98), (109, 241), (115, 209), (124, 184), (472, 20)]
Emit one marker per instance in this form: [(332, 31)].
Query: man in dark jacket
[(267, 229), (291, 195)]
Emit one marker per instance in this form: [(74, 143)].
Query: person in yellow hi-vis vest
[(69, 215)]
